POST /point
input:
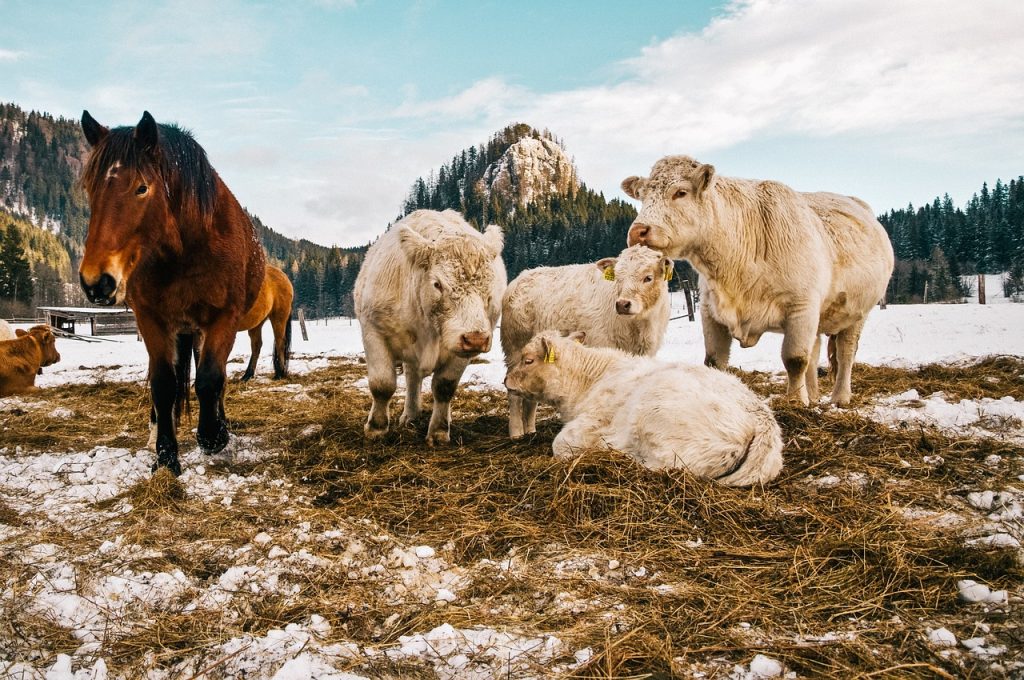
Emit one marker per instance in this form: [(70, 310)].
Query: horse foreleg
[(212, 430), (256, 343)]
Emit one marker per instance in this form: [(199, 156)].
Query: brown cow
[(21, 359)]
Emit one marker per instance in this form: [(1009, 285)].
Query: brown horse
[(166, 233), (274, 303)]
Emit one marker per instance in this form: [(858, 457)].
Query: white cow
[(428, 295), (623, 302), (770, 259), (6, 332), (663, 415)]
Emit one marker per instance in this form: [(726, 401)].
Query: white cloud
[(912, 70), (10, 55)]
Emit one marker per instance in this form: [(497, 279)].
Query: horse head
[(130, 210)]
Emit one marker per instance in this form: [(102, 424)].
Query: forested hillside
[(939, 242)]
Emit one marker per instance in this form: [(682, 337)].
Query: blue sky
[(320, 114)]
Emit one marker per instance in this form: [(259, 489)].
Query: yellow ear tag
[(669, 270), (609, 273), (549, 358)]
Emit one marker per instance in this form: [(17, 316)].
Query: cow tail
[(761, 460)]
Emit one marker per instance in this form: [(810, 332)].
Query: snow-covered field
[(110, 589)]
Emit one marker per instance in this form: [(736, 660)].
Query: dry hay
[(792, 561)]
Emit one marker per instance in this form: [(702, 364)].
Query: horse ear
[(146, 132), (94, 132)]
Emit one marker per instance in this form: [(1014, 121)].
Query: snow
[(112, 594)]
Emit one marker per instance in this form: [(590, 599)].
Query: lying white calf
[(663, 415)]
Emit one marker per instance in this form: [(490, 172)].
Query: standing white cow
[(428, 295), (611, 399), (6, 332), (770, 259), (623, 302)]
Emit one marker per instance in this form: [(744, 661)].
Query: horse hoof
[(214, 444), (173, 465)]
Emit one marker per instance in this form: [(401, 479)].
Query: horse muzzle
[(102, 292)]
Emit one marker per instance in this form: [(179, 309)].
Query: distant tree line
[(939, 243)]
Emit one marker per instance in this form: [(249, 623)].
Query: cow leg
[(846, 349), (717, 339), (516, 423), (800, 329), (577, 435), (446, 379), (811, 377), (212, 430), (151, 442), (413, 385), (380, 369), (529, 416), (256, 343)]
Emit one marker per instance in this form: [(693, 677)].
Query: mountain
[(522, 179)]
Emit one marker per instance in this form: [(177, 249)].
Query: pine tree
[(15, 272)]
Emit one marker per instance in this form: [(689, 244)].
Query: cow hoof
[(438, 438), (247, 376), (408, 420), (372, 432)]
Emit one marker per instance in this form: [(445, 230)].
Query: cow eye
[(527, 361), (648, 278), (680, 193), (141, 191), (437, 285)]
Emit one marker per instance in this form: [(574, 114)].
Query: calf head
[(675, 205), (539, 371), (458, 282), (46, 341), (640, 276)]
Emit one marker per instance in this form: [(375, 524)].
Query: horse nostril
[(106, 286)]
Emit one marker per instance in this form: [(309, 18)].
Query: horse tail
[(186, 350), (281, 358)]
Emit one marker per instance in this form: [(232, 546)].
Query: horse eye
[(141, 191), (681, 193)]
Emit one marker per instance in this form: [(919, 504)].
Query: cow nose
[(623, 306), (638, 233), (475, 341), (100, 292)]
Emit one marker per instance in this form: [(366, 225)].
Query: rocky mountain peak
[(531, 168)]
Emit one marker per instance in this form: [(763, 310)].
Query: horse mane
[(180, 163)]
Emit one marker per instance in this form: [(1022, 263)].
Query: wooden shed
[(101, 320)]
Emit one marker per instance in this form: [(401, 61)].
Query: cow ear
[(547, 346), (494, 238), (668, 267), (20, 332), (147, 135), (632, 185), (607, 265), (578, 336), (416, 248), (94, 132), (703, 178)]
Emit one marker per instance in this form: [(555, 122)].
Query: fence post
[(925, 292), (302, 325), (981, 289), (689, 299)]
